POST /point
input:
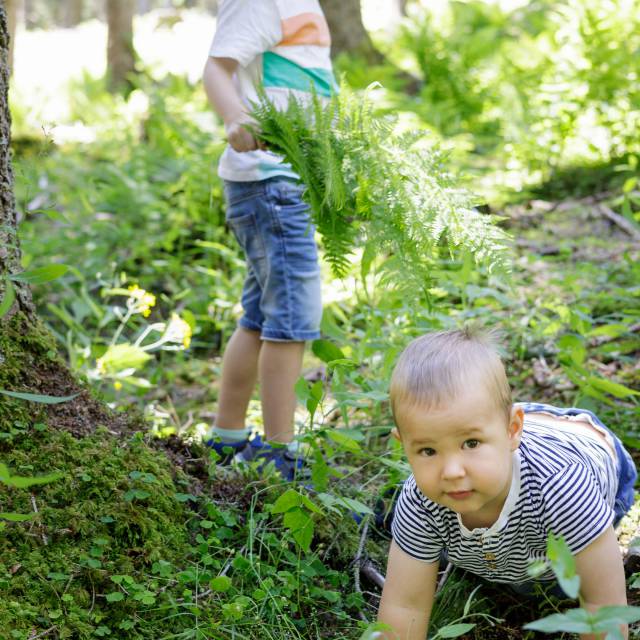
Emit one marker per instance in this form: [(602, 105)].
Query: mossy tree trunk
[(9, 245), (28, 358)]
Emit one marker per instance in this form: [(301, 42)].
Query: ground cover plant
[(140, 533)]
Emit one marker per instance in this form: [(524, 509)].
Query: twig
[(370, 571), (619, 220), (93, 595), (443, 577), (574, 202), (44, 633), (45, 540), (357, 562)]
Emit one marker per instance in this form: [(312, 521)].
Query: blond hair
[(437, 367)]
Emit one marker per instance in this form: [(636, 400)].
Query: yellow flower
[(140, 301), (117, 385), (178, 330)]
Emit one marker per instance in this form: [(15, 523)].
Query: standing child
[(491, 480), (282, 45)]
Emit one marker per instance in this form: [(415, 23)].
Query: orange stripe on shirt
[(305, 28)]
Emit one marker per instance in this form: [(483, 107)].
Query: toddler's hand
[(240, 137)]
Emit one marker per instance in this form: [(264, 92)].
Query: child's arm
[(224, 98), (601, 574), (407, 596)]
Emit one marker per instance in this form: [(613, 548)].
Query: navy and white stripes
[(564, 482)]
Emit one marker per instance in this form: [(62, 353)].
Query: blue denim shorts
[(281, 297), (626, 469)]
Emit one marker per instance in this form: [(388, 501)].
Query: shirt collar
[(507, 507)]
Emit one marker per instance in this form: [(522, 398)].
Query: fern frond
[(367, 185)]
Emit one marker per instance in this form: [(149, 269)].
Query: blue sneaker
[(226, 450), (285, 462)]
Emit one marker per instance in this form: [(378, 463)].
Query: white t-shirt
[(283, 44), (563, 483)]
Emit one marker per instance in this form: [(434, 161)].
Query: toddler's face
[(461, 454)]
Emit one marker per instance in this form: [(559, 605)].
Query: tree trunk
[(73, 10), (347, 31), (9, 247), (12, 7), (120, 52)]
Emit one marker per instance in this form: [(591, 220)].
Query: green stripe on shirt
[(280, 72)]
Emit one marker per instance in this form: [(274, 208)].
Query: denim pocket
[(245, 229), (286, 192)]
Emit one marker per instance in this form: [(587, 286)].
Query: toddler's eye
[(471, 444), (427, 451)]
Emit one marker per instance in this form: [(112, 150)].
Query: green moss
[(114, 512), (23, 346)]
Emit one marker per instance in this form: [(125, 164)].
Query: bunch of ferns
[(370, 187)]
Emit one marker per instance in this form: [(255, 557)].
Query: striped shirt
[(563, 483), (283, 44)]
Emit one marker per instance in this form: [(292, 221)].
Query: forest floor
[(558, 244)]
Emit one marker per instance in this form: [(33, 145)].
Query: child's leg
[(280, 365), (239, 373)]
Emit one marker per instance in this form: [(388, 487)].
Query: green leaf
[(319, 472), (136, 494), (368, 256), (355, 505), (573, 345), (563, 565), (455, 630), (9, 297), (345, 441), (290, 499), (16, 517), (326, 351), (23, 482), (573, 621), (302, 390), (301, 526), (54, 575), (36, 397), (115, 596), (616, 615), (122, 356), (613, 388), (40, 275), (310, 505), (373, 631), (220, 584)]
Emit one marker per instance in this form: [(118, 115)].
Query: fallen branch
[(619, 220), (43, 634), (370, 571)]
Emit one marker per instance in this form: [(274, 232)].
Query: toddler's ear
[(396, 434), (516, 422)]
